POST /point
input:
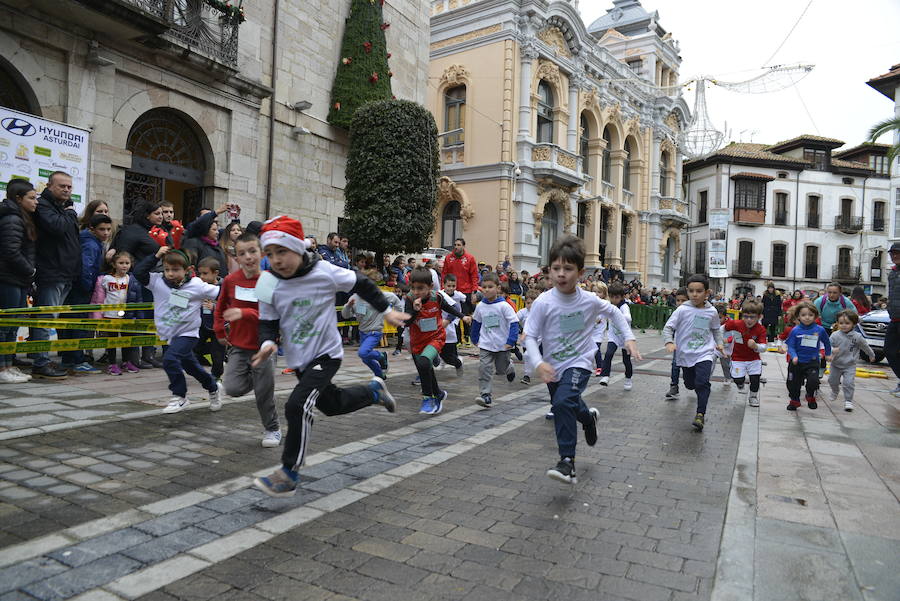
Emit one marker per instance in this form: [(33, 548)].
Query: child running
[(681, 297), (616, 338), (208, 271), (522, 314), (846, 345), (495, 329), (449, 353), (427, 334), (748, 336), (599, 333), (559, 349), (177, 296), (692, 333), (371, 326), (803, 355), (296, 300), (723, 356), (116, 288), (236, 324)]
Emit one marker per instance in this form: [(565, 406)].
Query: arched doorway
[(15, 93), (668, 256), (451, 224), (168, 162), (549, 231)]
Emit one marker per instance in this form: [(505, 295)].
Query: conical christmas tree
[(363, 74)]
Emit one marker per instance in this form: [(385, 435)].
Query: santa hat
[(285, 232)]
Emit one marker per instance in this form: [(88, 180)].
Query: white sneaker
[(604, 380), (848, 405), (754, 400), (7, 376), (215, 400), (21, 373), (628, 385), (176, 404), (272, 438)]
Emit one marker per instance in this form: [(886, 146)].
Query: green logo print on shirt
[(306, 323), (172, 317), (570, 327)]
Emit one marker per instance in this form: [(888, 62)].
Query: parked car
[(874, 325)]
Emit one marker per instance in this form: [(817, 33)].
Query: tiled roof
[(894, 72), (886, 82), (751, 175), (753, 151), (784, 144), (848, 164), (860, 148)]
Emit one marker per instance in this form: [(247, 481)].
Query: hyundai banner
[(32, 148)]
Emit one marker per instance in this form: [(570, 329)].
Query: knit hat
[(285, 232)]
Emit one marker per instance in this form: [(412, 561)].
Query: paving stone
[(189, 516), (164, 547), (41, 482), (101, 546), (75, 581), (27, 572), (83, 478), (106, 468), (19, 475), (63, 489)]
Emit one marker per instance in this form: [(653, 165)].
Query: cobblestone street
[(455, 506)]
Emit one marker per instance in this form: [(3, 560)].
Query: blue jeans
[(367, 343), (569, 408), (11, 297), (48, 295), (696, 377), (75, 297), (179, 359), (611, 349), (676, 371)]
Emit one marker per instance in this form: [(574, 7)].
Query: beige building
[(187, 105), (552, 127)]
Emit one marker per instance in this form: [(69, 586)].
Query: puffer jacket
[(59, 252), (195, 242), (135, 239), (894, 293), (17, 252)]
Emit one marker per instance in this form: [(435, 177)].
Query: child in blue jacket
[(803, 355)]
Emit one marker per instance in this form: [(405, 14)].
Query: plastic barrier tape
[(75, 344), (94, 325), (77, 309)]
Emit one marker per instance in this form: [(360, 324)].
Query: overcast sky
[(848, 42)]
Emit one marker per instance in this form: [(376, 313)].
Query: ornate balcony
[(846, 274), (549, 160), (673, 208), (453, 155), (746, 269), (607, 191), (849, 224), (749, 217)]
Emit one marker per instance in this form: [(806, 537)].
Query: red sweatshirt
[(741, 351), (243, 333)]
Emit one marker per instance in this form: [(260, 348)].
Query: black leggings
[(425, 367), (800, 373), (754, 382), (450, 356)]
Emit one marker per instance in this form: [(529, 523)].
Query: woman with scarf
[(203, 240)]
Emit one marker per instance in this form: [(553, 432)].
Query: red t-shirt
[(429, 314), (243, 333), (741, 351), (465, 268)]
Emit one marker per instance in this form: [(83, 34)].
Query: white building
[(799, 214), (889, 85)]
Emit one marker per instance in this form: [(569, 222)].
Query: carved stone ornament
[(631, 126), (675, 234), (540, 153), (614, 111), (448, 192), (590, 99), (554, 38), (560, 197), (528, 47), (454, 75), (672, 122), (548, 71)]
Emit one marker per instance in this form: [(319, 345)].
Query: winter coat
[(93, 260), (58, 245), (135, 239), (17, 252), (771, 309), (194, 242)]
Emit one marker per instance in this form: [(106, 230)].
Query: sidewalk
[(813, 510)]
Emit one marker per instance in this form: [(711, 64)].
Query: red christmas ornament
[(347, 60), (367, 46), (385, 26), (374, 78), (337, 106)]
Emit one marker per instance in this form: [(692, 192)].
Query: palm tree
[(886, 126)]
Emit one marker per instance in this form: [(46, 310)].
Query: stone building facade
[(186, 105), (552, 127)]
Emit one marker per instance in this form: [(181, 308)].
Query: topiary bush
[(392, 177), (362, 74)]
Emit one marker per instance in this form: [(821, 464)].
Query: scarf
[(210, 241)]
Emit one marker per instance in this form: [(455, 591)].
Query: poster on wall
[(32, 148), (718, 245)]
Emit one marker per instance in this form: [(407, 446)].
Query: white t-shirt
[(495, 319), (616, 334), (599, 332), (116, 290), (695, 332), (456, 300), (564, 324), (176, 311), (305, 307), (522, 314)]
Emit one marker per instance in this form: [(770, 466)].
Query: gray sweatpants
[(489, 361), (240, 378), (845, 375)]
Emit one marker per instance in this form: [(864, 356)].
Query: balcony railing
[(846, 274), (452, 155), (811, 271), (607, 190), (849, 224), (878, 224), (746, 269), (814, 221), (780, 218), (628, 197), (750, 217), (552, 161)]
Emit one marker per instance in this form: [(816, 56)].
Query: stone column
[(617, 162), (592, 235), (574, 116), (528, 49), (654, 171)]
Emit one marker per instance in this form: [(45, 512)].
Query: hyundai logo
[(17, 126), (882, 327)]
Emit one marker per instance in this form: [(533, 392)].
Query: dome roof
[(626, 16)]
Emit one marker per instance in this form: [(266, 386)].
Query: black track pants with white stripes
[(315, 389)]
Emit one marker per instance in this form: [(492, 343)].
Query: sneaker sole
[(279, 495), (215, 408), (269, 444), (387, 399), (548, 416), (510, 376), (697, 427), (437, 409), (41, 377), (483, 403), (176, 410), (559, 477), (596, 415)]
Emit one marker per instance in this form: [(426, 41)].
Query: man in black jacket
[(58, 257)]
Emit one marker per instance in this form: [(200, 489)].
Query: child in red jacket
[(236, 323)]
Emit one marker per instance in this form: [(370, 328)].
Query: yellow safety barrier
[(94, 325), (75, 344), (862, 372), (77, 309)]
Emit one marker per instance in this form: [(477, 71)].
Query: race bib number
[(179, 299), (428, 324), (492, 321), (701, 322), (573, 322), (809, 340), (265, 287), (738, 338), (245, 294)]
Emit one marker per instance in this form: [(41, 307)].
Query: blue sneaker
[(427, 405), (382, 396), (439, 402), (84, 368), (485, 400), (383, 362), (896, 391), (277, 484)]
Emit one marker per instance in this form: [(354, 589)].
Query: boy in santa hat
[(296, 299)]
